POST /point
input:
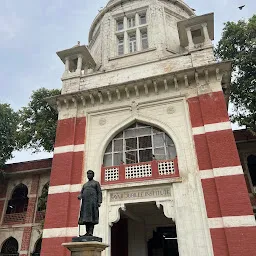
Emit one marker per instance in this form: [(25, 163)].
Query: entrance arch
[(10, 247), (144, 230)]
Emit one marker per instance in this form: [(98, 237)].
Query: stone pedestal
[(85, 248)]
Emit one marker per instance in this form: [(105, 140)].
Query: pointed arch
[(19, 200), (141, 119), (10, 247), (37, 249)]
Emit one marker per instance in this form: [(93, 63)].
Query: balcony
[(14, 218), (139, 172)]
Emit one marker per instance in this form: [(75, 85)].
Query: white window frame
[(132, 43)]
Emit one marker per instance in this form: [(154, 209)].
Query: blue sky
[(31, 31)]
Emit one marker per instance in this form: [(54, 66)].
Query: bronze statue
[(91, 197)]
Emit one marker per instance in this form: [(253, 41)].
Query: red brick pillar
[(230, 217), (30, 216), (65, 184)]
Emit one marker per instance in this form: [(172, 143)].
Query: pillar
[(126, 39), (79, 63), (67, 65), (230, 216), (61, 222), (190, 38), (207, 39)]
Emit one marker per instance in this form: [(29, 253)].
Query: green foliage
[(8, 131), (238, 43), (38, 122), (42, 200)]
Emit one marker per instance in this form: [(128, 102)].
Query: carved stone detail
[(171, 110), (168, 208)]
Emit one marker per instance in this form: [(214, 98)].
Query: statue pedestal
[(85, 248)]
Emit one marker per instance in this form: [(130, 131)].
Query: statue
[(91, 197)]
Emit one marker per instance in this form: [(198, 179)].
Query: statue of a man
[(91, 197)]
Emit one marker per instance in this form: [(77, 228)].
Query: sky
[(32, 31)]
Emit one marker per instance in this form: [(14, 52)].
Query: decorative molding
[(211, 128), (168, 208), (65, 189), (60, 232), (219, 172)]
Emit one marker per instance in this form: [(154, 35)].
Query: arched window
[(19, 201), (10, 247), (251, 162), (42, 200), (37, 248), (139, 143)]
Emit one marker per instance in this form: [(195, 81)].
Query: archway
[(10, 247), (144, 230), (251, 163), (37, 248), (19, 200)]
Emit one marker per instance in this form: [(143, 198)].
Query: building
[(144, 106)]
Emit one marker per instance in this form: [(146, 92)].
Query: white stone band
[(232, 221), (60, 232), (65, 189), (211, 128), (69, 148), (219, 172)]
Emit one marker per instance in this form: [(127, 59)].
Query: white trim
[(23, 252), (232, 221), (3, 199), (211, 128), (69, 148), (219, 172), (60, 232), (65, 189)]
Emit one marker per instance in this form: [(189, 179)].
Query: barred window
[(144, 40), (139, 143)]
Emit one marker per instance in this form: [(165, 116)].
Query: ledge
[(132, 54)]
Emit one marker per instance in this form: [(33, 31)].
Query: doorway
[(143, 230)]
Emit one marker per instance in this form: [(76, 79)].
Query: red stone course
[(70, 131), (53, 247)]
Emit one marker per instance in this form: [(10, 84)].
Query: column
[(67, 65), (190, 39), (30, 216), (126, 43), (138, 37), (79, 63), (207, 39)]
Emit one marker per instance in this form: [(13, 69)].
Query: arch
[(139, 143), (251, 163), (141, 119), (37, 248), (19, 200), (10, 247), (42, 200)]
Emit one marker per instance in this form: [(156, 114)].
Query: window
[(139, 143), (132, 43), (196, 33), (131, 22), (119, 25), (144, 40), (143, 19), (120, 45)]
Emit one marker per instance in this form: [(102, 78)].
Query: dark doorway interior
[(251, 162), (164, 242), (119, 238)]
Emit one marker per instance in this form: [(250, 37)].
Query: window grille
[(139, 143), (132, 42), (144, 40)]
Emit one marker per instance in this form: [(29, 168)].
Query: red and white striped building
[(144, 106)]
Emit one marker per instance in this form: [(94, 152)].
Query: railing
[(40, 215), (139, 172), (13, 218)]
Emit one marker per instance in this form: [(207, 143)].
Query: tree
[(38, 122), (8, 131), (238, 43)]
